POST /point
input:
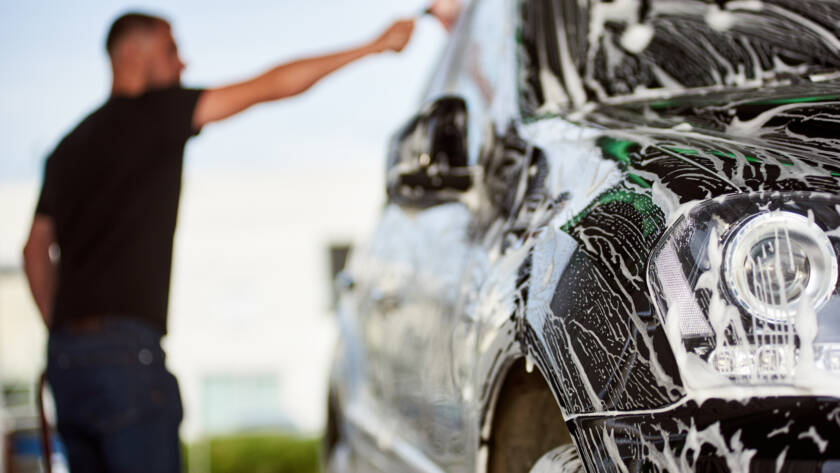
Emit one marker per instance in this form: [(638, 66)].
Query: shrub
[(261, 453)]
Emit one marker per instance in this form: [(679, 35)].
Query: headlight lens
[(773, 259), (746, 286)]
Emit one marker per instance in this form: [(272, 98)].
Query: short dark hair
[(129, 23)]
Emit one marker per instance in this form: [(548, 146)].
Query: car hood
[(704, 146)]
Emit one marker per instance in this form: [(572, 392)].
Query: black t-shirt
[(112, 187)]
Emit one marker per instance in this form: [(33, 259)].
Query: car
[(610, 244)]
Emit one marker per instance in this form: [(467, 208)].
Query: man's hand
[(447, 12), (395, 37)]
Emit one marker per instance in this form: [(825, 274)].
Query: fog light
[(773, 259), (733, 361), (770, 360), (724, 362)]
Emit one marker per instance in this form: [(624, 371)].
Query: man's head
[(143, 52)]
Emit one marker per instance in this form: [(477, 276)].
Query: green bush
[(261, 453)]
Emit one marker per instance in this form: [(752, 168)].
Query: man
[(99, 251)]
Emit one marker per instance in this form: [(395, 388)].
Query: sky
[(54, 71)]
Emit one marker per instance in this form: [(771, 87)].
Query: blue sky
[(55, 71)]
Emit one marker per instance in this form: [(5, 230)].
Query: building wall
[(250, 328), (251, 294), (22, 333)]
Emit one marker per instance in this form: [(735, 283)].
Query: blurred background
[(272, 201)]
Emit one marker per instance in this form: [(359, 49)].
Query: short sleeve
[(45, 200), (176, 106)]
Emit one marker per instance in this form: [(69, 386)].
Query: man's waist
[(100, 323), (86, 324)]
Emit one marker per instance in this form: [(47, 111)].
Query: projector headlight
[(746, 286), (774, 258)]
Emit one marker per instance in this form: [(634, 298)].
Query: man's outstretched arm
[(292, 78), (40, 268)]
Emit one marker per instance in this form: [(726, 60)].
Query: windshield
[(574, 52)]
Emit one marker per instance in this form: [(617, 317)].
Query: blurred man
[(99, 251)]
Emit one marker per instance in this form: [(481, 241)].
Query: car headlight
[(773, 259), (746, 286)]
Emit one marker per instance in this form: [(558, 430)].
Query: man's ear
[(132, 48), (123, 53)]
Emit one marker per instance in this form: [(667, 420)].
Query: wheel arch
[(516, 430)]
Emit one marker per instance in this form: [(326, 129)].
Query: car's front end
[(697, 325)]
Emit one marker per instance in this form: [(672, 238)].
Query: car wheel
[(528, 426)]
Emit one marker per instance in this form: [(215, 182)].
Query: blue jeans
[(118, 407)]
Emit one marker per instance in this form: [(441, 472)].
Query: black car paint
[(626, 405)]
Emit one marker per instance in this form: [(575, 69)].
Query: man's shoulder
[(86, 130)]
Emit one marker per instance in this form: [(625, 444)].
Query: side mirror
[(427, 159)]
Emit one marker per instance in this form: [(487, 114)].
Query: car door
[(413, 276)]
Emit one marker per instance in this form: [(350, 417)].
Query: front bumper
[(781, 434)]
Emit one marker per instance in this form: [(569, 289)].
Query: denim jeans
[(118, 407)]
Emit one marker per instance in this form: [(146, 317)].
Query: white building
[(250, 328)]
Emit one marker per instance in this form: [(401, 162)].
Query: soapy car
[(610, 244)]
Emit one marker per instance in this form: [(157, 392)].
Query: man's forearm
[(41, 274), (296, 77), (291, 78), (41, 270)]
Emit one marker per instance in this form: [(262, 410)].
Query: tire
[(528, 425)]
